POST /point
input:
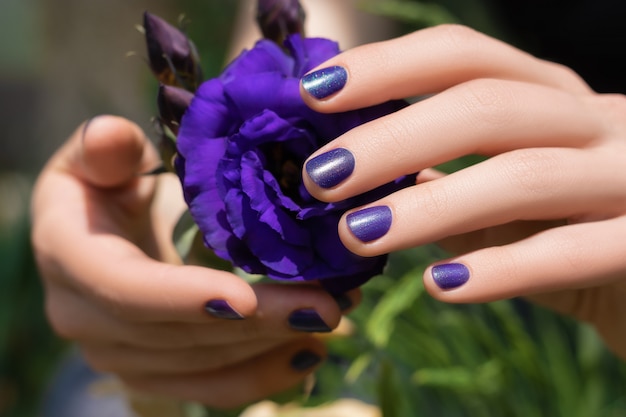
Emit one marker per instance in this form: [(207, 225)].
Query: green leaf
[(398, 298), (414, 12), (485, 379), (389, 397), (358, 366), (184, 234)]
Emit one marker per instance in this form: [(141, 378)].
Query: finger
[(429, 174), (107, 152), (131, 286), (130, 360), (283, 312), (249, 381), (484, 117), (530, 184), (569, 257), (430, 61)]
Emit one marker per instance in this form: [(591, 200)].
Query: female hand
[(544, 216), (114, 284)]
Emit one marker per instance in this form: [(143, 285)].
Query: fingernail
[(86, 125), (222, 310), (343, 301), (330, 168), (448, 276), (325, 82), (307, 320), (370, 223), (304, 360)]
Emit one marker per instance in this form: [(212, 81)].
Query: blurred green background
[(62, 61)]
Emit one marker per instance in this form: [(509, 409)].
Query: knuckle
[(459, 36), (389, 134), (528, 170), (568, 78), (613, 108), (573, 255), (434, 203), (487, 101), (614, 102)]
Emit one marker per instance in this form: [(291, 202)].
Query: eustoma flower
[(241, 146)]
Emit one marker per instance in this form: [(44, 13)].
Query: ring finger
[(530, 184), (480, 117)]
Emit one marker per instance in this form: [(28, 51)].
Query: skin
[(543, 217), (116, 287)]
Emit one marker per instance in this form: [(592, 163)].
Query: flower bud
[(278, 19), (172, 56), (172, 103)]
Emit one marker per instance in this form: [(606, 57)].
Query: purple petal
[(309, 52)]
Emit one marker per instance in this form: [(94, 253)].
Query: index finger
[(422, 63)]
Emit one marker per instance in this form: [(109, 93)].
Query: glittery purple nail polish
[(449, 276), (330, 168), (307, 320), (325, 82), (370, 223), (221, 309)]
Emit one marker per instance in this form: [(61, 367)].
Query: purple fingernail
[(343, 301), (304, 360), (370, 223), (331, 168), (308, 320), (325, 82), (449, 276), (222, 310)]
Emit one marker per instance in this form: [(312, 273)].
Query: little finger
[(569, 257)]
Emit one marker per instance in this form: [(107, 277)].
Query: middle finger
[(485, 117)]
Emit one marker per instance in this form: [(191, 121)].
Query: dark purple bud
[(172, 103), (280, 18), (173, 57)]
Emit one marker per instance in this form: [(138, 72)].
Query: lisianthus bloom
[(278, 19), (172, 56), (242, 143)]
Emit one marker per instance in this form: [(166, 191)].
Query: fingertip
[(226, 296), (111, 151), (151, 291), (320, 87), (446, 281)]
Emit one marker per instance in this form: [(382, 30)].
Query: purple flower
[(278, 19), (242, 144), (172, 56)]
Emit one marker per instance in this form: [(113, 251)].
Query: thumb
[(108, 152)]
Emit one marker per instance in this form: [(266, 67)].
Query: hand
[(544, 216), (114, 283)]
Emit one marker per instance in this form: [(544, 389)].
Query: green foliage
[(28, 349), (415, 356)]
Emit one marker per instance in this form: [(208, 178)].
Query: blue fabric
[(78, 391)]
